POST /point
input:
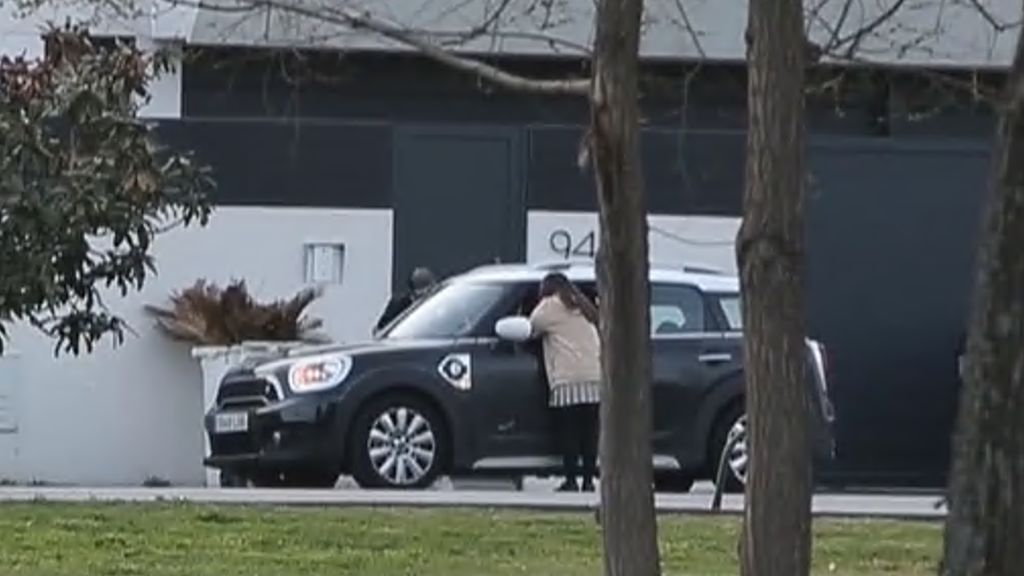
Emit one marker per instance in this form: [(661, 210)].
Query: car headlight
[(318, 373)]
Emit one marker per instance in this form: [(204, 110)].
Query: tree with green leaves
[(84, 187)]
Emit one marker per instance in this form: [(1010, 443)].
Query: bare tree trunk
[(776, 536), (985, 527), (627, 500)]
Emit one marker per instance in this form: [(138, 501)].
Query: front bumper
[(294, 433)]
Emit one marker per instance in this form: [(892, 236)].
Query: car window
[(731, 310), (676, 309), (667, 319), (453, 311)]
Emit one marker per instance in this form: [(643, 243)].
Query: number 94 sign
[(567, 245)]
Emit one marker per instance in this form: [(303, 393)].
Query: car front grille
[(251, 392), (232, 444)]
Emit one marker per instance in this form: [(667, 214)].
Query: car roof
[(704, 278)]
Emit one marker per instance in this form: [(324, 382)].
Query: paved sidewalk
[(920, 507)]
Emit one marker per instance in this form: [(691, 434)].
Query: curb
[(847, 507)]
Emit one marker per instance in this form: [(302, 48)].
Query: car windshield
[(451, 311), (730, 304)]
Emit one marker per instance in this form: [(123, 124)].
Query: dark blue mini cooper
[(452, 387)]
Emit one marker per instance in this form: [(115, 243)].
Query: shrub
[(206, 314)]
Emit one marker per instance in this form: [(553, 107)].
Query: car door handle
[(715, 357)]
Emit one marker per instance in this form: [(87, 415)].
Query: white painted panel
[(118, 416), (10, 382), (674, 240)]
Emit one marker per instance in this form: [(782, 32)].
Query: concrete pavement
[(918, 507)]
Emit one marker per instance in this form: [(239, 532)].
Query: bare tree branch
[(554, 42), (833, 41), (484, 26), (858, 36), (886, 23), (356, 20), (852, 41), (989, 17), (689, 28)]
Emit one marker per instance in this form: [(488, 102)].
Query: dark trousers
[(577, 429)]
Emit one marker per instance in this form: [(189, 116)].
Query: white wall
[(120, 415), (674, 240)]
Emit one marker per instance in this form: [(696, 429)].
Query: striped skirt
[(575, 393)]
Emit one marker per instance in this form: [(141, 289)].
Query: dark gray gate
[(890, 244), (459, 201)]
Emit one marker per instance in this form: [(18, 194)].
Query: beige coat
[(572, 346)]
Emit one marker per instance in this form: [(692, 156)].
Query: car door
[(690, 354), (510, 396)]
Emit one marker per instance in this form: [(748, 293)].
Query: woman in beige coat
[(565, 319)]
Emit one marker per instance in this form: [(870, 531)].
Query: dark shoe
[(588, 486), (568, 486)]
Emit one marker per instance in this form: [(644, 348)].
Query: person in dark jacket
[(420, 282)]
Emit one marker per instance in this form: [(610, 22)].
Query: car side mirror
[(514, 329)]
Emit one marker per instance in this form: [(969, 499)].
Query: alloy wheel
[(737, 457), (402, 446)]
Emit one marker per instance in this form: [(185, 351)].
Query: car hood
[(277, 359)]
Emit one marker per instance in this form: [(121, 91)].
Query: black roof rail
[(567, 264), (703, 270), (560, 265)]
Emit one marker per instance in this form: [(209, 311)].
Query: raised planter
[(215, 361)]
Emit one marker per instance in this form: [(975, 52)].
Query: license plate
[(231, 422)]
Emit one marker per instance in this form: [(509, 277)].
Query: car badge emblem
[(456, 369)]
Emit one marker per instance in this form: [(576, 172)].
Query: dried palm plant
[(207, 315)]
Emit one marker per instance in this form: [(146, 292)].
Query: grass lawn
[(185, 540)]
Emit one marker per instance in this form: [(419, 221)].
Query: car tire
[(673, 481), (389, 453), (720, 434)]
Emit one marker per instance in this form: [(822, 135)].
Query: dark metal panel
[(938, 147), (715, 163), (692, 173), (299, 163), (459, 198), (891, 231)]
